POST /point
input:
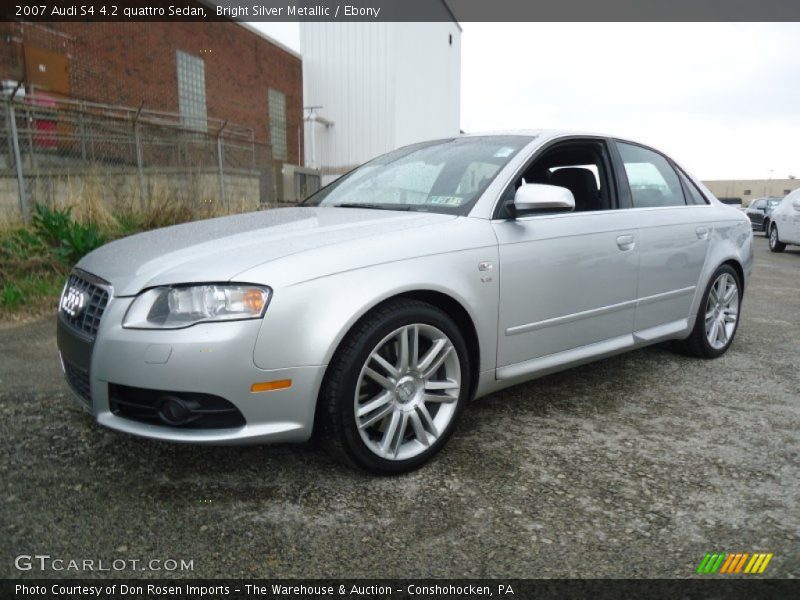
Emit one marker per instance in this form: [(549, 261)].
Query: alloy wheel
[(407, 391), (722, 311)]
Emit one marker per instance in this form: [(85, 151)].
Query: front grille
[(78, 379), (86, 320), (146, 406)]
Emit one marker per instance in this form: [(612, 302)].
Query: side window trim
[(624, 194), (687, 181), (614, 184)]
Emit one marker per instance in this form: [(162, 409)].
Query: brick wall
[(125, 63)]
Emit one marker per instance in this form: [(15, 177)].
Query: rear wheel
[(765, 228), (774, 242), (395, 388), (718, 316)]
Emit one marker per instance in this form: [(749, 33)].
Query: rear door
[(675, 229)]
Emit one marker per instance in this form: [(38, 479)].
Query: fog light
[(177, 411)]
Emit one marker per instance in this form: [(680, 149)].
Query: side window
[(582, 167), (694, 196), (652, 179)]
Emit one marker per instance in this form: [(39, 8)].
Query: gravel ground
[(634, 466)]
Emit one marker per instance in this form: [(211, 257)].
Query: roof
[(544, 133), (452, 16), (271, 40), (213, 6)]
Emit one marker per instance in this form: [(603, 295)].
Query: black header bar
[(422, 589), (401, 10)]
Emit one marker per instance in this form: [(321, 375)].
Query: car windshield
[(446, 176), (773, 203)]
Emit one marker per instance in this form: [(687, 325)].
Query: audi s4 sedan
[(373, 313)]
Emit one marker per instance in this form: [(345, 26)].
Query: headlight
[(174, 307)]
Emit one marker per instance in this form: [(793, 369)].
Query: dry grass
[(86, 201)]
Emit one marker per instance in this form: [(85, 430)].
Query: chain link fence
[(62, 152)]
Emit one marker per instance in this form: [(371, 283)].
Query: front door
[(567, 280)]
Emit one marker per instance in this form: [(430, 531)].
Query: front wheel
[(395, 388), (718, 315), (775, 245)]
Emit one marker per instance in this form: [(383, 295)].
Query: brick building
[(219, 70)]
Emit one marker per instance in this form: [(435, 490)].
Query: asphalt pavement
[(634, 466)]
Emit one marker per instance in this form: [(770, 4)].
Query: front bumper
[(208, 358)]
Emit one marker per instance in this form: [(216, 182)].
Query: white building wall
[(428, 83), (383, 85)]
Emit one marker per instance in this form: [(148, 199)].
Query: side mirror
[(795, 204), (538, 196)]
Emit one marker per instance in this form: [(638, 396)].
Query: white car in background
[(784, 228)]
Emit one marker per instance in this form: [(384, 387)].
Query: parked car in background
[(759, 212), (735, 202), (784, 227), (372, 314)]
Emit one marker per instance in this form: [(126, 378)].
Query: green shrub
[(21, 244), (68, 239), (51, 225), (10, 296), (31, 291)]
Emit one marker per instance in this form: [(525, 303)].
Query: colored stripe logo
[(734, 562)]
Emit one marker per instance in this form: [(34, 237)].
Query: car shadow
[(184, 472)]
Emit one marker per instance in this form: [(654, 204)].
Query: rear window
[(653, 181)]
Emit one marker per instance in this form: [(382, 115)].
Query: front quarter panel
[(307, 320)]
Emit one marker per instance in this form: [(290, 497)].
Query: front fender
[(307, 321)]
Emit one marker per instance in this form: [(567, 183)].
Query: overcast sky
[(723, 99)]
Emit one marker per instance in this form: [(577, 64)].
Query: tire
[(775, 245), (370, 394), (707, 340), (765, 227)]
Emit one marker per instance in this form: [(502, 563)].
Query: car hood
[(217, 249)]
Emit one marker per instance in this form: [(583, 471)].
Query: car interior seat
[(582, 184)]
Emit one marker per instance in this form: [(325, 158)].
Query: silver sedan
[(432, 275)]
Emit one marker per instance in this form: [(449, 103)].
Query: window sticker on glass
[(504, 152), (448, 200)]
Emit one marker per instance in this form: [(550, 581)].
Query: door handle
[(702, 233), (626, 242)]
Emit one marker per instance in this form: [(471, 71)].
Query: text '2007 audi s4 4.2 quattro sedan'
[(372, 314)]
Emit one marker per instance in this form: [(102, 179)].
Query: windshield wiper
[(375, 206)]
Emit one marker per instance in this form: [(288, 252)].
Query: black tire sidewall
[(778, 246), (351, 362), (707, 349)]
